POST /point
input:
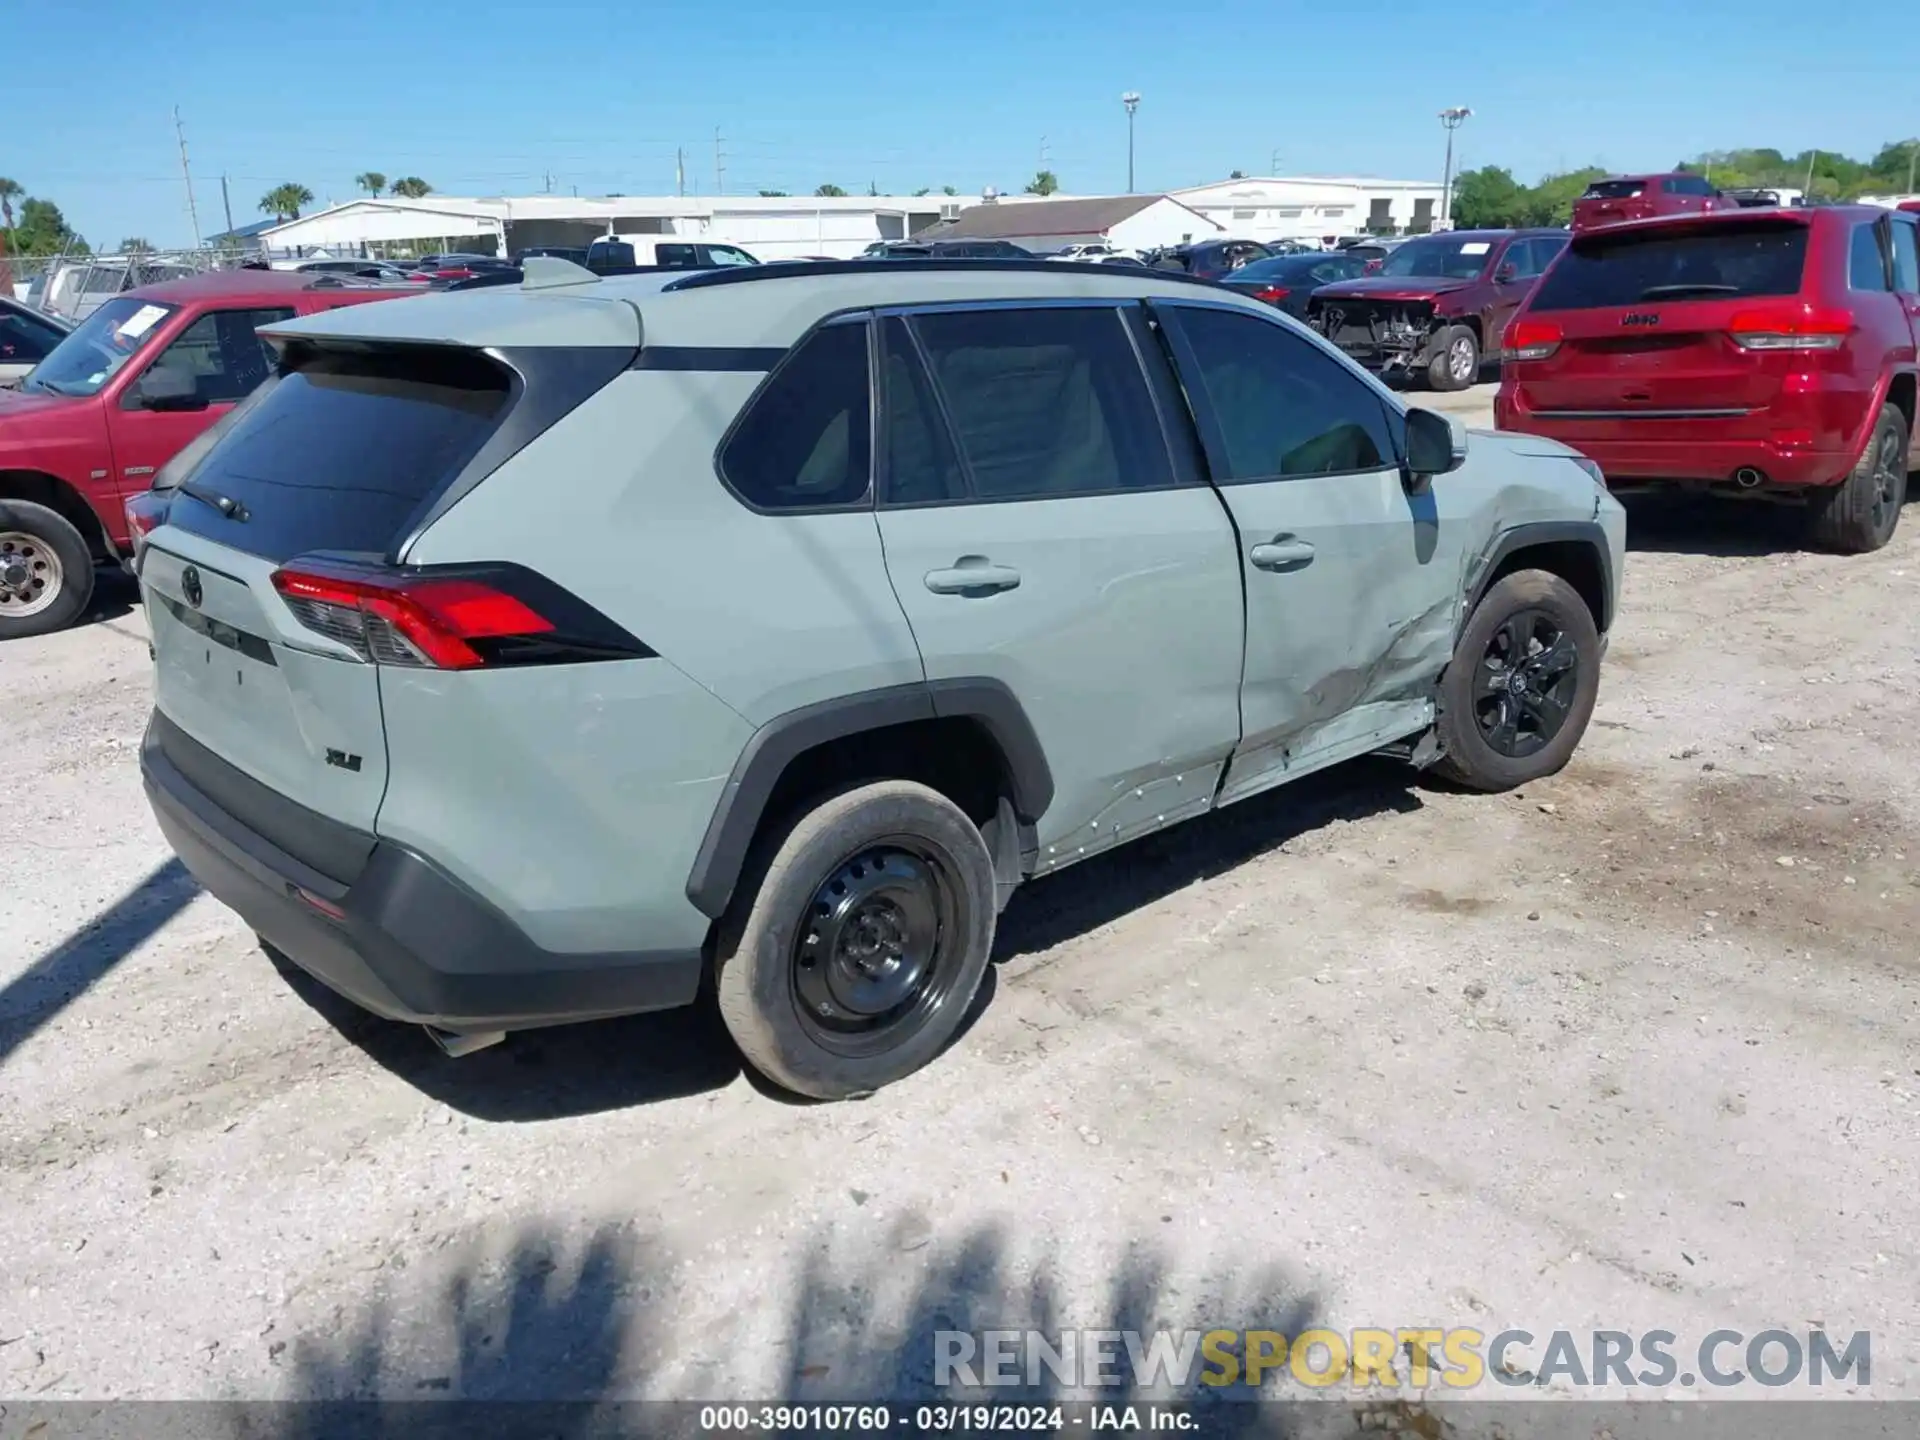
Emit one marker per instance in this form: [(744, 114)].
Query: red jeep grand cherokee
[(1769, 352), (133, 385)]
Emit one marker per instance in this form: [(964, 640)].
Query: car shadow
[(115, 593), (602, 1065), (548, 1074), (1703, 525), (1057, 908)]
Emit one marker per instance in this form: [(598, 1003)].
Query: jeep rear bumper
[(402, 938)]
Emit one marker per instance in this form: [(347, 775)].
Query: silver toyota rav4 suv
[(555, 650)]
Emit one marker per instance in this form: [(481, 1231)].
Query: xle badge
[(344, 761)]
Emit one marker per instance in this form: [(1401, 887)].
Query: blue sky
[(489, 98)]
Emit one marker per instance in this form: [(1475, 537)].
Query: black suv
[(946, 250), (1210, 259)]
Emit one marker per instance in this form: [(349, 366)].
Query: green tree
[(10, 191), (773, 192), (43, 230), (1236, 174), (1488, 197), (1551, 201), (411, 187), (948, 190), (1043, 183), (285, 201), (924, 190), (135, 245), (371, 181), (829, 190)]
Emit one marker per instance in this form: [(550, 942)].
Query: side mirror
[(1436, 444), (1506, 274), (165, 389)]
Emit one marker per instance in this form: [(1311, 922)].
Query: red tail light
[(1791, 325), (1272, 294), (1532, 339), (146, 512), (454, 618)]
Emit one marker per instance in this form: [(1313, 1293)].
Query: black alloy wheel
[(878, 954), (1525, 685)]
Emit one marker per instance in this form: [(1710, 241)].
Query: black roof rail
[(784, 269)]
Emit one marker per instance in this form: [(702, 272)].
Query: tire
[(46, 571), (878, 842), (1456, 362), (1544, 612), (1859, 515)]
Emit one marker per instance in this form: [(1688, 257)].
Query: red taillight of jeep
[(1531, 339), (1790, 325), (466, 617)]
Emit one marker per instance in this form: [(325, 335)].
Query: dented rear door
[(1351, 585)]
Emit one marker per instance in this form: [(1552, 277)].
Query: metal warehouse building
[(772, 227)]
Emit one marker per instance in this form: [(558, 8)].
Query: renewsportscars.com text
[(1413, 1358)]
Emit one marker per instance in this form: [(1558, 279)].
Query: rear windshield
[(344, 451), (1730, 262), (1613, 189)]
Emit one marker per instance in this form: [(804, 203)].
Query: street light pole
[(1451, 118), (1132, 101)]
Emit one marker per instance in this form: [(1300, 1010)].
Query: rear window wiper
[(1662, 292), (225, 504)]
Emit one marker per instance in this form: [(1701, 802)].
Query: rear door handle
[(1282, 553), (972, 575)]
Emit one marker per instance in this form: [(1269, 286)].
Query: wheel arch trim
[(1511, 541), (780, 741)]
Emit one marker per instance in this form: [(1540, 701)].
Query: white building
[(1312, 209), (1126, 222), (772, 227)]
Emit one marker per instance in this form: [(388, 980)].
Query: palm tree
[(373, 182), (10, 190), (829, 190), (411, 187), (284, 201)]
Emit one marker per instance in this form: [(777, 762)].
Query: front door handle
[(972, 575), (1282, 553)]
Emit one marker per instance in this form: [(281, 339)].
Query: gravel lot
[(1633, 1049)]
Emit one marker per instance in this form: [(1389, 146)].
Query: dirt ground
[(1635, 1048)]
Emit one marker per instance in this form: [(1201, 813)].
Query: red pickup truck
[(133, 385)]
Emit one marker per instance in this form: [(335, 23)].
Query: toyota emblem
[(190, 586)]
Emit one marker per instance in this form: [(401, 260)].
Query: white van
[(677, 252)]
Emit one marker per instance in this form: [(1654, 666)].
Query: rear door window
[(678, 256), (1866, 259), (804, 441), (1724, 262), (345, 449), (1906, 257), (1046, 402), (1613, 190)]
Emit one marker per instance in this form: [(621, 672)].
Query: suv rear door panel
[(1112, 610)]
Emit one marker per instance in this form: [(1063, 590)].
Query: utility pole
[(1913, 153), (1452, 118), (226, 204), (719, 164), (1812, 155), (549, 180), (680, 171), (1043, 152), (1273, 163), (193, 212), (1132, 101)]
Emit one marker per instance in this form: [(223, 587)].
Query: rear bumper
[(1650, 456), (403, 939)]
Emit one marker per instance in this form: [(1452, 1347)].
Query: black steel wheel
[(857, 939), (877, 955), (1521, 686)]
